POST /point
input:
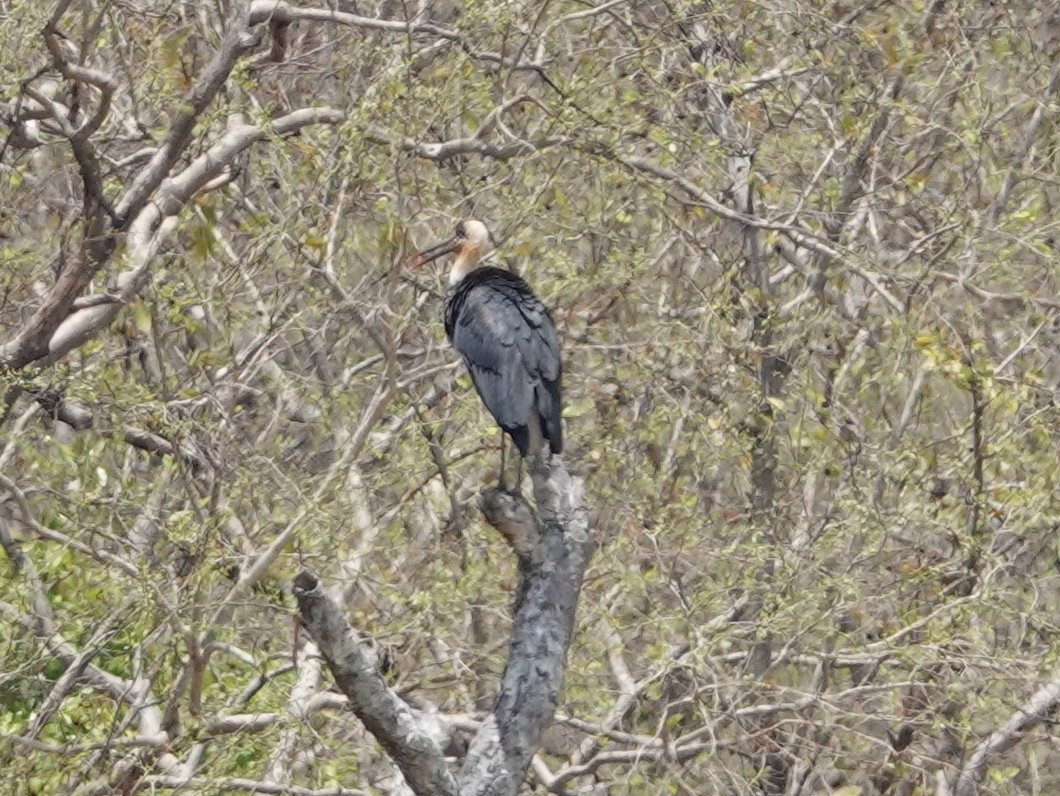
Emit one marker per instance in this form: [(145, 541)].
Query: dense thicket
[(803, 260)]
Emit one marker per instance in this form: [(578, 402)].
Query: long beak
[(434, 252)]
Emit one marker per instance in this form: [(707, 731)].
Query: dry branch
[(1029, 715), (553, 547), (386, 716), (546, 599)]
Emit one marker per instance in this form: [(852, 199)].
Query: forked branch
[(553, 547), (385, 715)]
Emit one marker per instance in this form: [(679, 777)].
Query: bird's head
[(471, 240)]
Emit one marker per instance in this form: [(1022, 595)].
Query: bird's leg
[(501, 483), (519, 475)]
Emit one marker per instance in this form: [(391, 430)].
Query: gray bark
[(1029, 715), (385, 715), (553, 547), (550, 577)]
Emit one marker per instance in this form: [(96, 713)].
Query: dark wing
[(511, 349), (545, 363)]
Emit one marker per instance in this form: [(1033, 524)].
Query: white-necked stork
[(507, 340)]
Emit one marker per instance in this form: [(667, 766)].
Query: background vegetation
[(803, 260)]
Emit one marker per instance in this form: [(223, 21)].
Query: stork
[(507, 340)]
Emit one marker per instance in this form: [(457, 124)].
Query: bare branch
[(459, 146), (1029, 715), (253, 722), (253, 573), (134, 692), (236, 42), (16, 432), (280, 11), (106, 84), (75, 671), (43, 532), (44, 619), (1030, 135), (298, 706), (752, 84), (551, 569), (546, 601), (700, 196), (155, 222), (238, 784), (385, 715)]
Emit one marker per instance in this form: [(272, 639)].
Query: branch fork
[(554, 547)]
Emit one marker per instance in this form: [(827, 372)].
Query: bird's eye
[(460, 233)]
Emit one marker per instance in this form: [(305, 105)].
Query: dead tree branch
[(386, 716), (553, 548), (546, 598), (1028, 716)]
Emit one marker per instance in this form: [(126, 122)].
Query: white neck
[(463, 266)]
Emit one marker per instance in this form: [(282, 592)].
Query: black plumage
[(510, 346)]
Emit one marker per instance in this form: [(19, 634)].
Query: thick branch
[(236, 42), (552, 562), (546, 599), (512, 517), (156, 221), (385, 715), (106, 84), (76, 415), (153, 443)]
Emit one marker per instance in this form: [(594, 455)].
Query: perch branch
[(553, 551), (552, 563)]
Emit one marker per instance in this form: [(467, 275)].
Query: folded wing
[(510, 346)]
